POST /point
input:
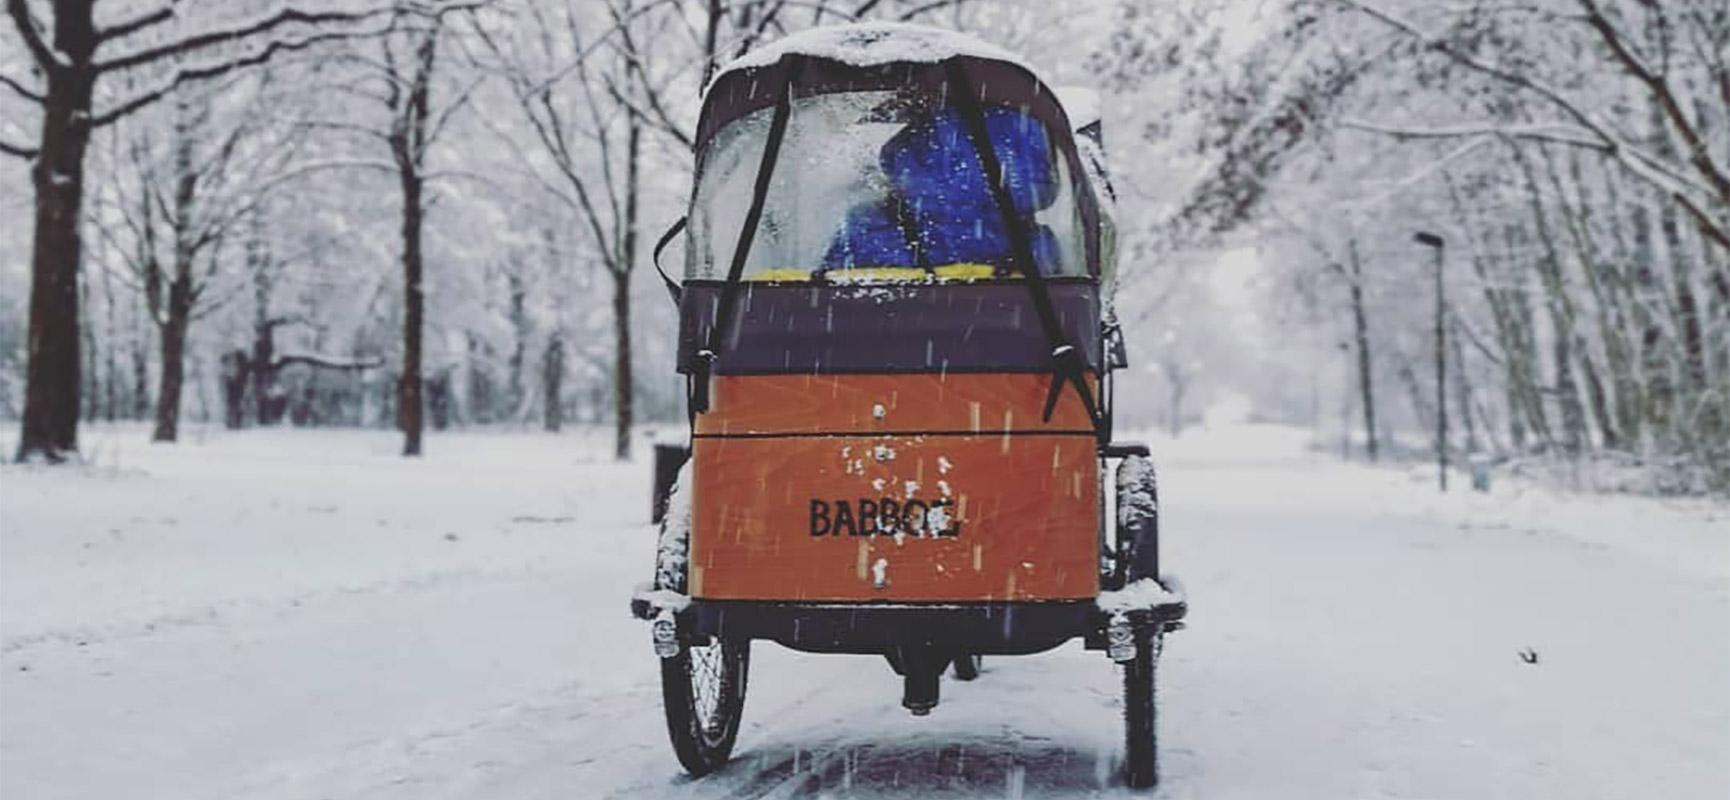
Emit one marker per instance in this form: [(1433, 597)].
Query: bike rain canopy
[(876, 174), (933, 169)]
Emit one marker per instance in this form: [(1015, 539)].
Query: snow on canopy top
[(870, 44)]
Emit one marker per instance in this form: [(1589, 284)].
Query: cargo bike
[(895, 334)]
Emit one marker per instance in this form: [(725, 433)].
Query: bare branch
[(21, 89), (206, 71), (934, 5), (287, 319), (45, 56), (237, 33), (26, 153), (659, 119), (449, 110), (135, 24), (595, 44), (346, 127), (634, 63), (327, 362), (1698, 154), (320, 166), (1711, 227)]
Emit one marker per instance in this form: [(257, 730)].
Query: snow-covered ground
[(301, 614)]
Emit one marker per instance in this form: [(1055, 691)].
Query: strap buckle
[(1068, 367), (702, 366)]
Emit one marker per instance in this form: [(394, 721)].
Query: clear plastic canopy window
[(873, 186)]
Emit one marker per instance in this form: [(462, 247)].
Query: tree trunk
[(49, 430), (110, 363), (1601, 278), (1521, 349), (1560, 307), (260, 367), (408, 140), (1659, 390), (91, 375), (1598, 397), (409, 387), (1627, 379), (624, 382), (1361, 334), (234, 378), (478, 396), (1420, 399), (1462, 385), (515, 392), (173, 352), (267, 409), (1174, 411), (552, 382), (140, 371), (623, 396), (181, 293), (1516, 414)]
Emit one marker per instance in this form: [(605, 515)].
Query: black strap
[(1068, 365), (666, 239), (703, 362)]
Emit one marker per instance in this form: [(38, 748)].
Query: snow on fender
[(672, 553), (1143, 595)]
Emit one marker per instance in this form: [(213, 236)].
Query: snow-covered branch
[(1688, 190), (1543, 132), (1501, 72)]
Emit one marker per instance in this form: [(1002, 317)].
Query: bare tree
[(71, 56), (407, 95), (577, 129)]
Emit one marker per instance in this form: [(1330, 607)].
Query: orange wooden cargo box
[(923, 487)]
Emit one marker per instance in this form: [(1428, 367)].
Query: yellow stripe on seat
[(945, 273)]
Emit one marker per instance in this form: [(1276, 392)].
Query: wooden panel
[(971, 402), (959, 518)]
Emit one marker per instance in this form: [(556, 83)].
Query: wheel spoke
[(707, 668)]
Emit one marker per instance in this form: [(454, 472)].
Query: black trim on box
[(984, 432), (985, 628)]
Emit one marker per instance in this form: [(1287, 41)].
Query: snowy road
[(302, 615)]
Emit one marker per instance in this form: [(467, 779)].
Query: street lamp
[(1436, 246)]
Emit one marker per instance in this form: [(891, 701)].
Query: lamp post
[(1436, 246)]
